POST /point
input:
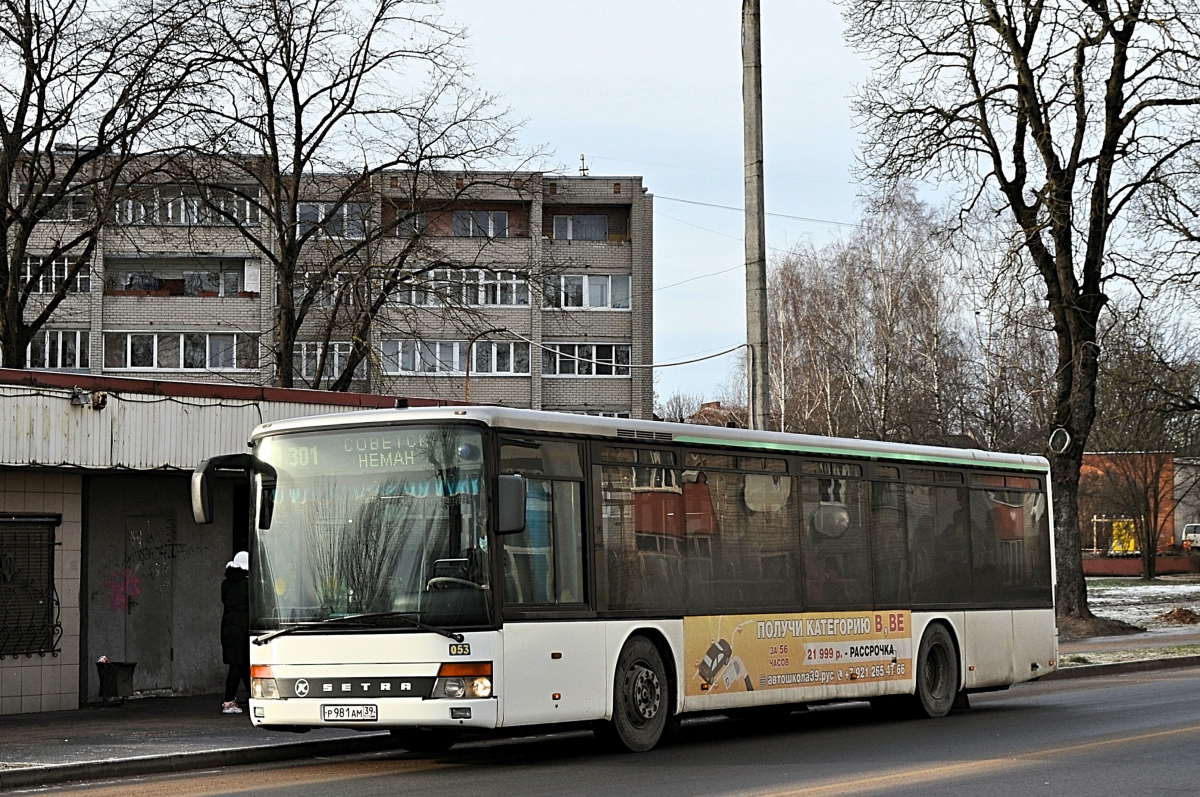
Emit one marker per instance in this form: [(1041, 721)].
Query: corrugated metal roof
[(145, 425)]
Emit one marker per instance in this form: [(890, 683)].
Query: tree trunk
[(1071, 589), (1149, 562)]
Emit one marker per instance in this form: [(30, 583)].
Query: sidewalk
[(153, 735), (175, 734)]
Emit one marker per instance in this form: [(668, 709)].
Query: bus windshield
[(364, 521)]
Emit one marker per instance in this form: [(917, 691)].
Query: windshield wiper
[(355, 619)]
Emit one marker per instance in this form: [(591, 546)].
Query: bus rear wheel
[(937, 672), (641, 699), (426, 740)]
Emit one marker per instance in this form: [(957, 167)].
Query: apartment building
[(527, 290)]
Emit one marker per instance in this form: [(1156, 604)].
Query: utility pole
[(756, 229)]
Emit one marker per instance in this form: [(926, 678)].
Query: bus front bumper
[(372, 714)]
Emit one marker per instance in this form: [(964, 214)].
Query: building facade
[(526, 290), (99, 552)]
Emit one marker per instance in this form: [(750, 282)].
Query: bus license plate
[(364, 713)]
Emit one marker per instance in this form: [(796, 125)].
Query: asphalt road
[(1126, 735)]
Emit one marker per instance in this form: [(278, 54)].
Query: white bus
[(431, 571)]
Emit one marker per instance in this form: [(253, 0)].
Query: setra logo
[(301, 688)]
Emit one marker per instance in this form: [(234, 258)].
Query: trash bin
[(116, 678)]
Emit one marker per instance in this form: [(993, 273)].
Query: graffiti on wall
[(122, 586)]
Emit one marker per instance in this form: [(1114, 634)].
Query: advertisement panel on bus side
[(750, 652)]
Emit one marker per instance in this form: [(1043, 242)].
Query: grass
[(1133, 654)]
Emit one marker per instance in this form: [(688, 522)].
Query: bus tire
[(426, 740), (642, 706), (937, 672)]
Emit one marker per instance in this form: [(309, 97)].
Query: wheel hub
[(644, 693)]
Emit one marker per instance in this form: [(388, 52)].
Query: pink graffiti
[(122, 587)]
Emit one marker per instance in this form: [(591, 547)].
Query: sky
[(653, 88)]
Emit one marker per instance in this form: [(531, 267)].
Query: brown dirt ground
[(1182, 616), (1077, 628)]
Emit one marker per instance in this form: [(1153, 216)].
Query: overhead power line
[(743, 210)]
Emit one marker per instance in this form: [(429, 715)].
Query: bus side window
[(543, 565), (835, 546)]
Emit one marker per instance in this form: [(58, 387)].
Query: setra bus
[(432, 571)]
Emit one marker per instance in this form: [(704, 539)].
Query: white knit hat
[(241, 560)]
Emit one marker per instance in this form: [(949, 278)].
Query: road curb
[(1121, 668), (25, 777), (28, 777)]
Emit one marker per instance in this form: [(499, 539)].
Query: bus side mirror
[(202, 494), (510, 503), (202, 499)]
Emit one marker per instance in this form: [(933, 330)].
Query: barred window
[(29, 621), (586, 359), (57, 348)]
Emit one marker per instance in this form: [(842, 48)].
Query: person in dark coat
[(235, 629)]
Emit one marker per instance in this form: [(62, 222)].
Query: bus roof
[(624, 429)]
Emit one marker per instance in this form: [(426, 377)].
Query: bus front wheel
[(641, 699), (426, 740), (937, 672)]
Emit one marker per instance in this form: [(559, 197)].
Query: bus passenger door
[(553, 655)]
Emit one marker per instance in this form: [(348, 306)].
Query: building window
[(306, 356), (234, 206), (450, 357), (412, 225), (424, 356), (212, 351), (180, 205), (581, 228), (219, 283), (501, 357), (479, 223), (329, 286), (597, 413), (471, 287), (348, 220), (585, 359), (586, 291), (29, 623), (59, 349), (134, 211), (72, 207), (53, 274)]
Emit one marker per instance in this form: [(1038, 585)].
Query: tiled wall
[(47, 683)]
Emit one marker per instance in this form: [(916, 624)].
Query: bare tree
[(1058, 115), (1011, 357), (678, 407), (82, 88), (866, 342), (323, 107)]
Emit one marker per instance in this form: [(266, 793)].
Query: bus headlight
[(465, 680), (262, 683)]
